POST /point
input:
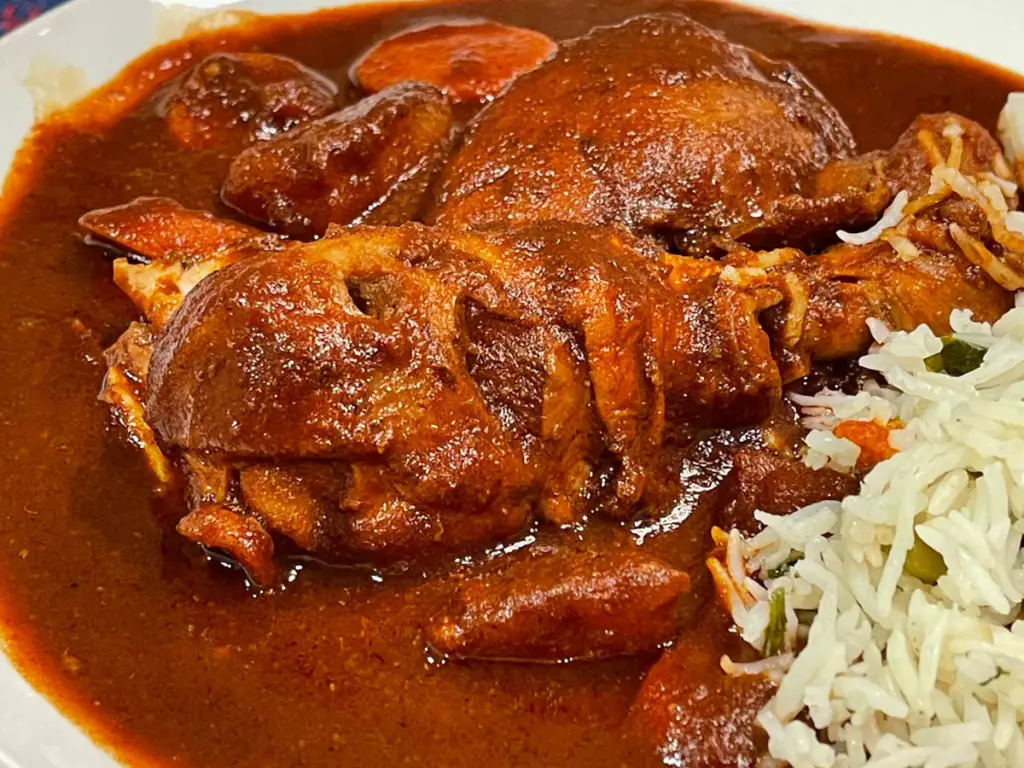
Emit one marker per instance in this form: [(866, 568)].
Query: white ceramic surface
[(99, 37)]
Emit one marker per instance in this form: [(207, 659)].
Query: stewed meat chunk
[(370, 163), (231, 99), (561, 605)]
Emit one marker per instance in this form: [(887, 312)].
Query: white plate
[(99, 37)]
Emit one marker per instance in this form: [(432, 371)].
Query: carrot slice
[(468, 61), (873, 439)]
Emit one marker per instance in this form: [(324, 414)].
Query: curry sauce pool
[(104, 603)]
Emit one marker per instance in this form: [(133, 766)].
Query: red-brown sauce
[(165, 657)]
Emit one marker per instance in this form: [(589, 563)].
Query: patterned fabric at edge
[(14, 13)]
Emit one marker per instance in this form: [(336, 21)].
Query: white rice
[(876, 667), (894, 671), (1011, 131), (890, 218)]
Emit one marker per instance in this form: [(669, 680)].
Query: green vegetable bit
[(956, 358), (783, 568), (924, 563), (775, 634)]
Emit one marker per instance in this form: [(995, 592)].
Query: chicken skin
[(658, 123), (465, 383)]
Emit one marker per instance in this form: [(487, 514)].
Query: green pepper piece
[(934, 363), (775, 634), (924, 563), (956, 358)]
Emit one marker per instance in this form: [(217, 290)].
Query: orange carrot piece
[(469, 61), (873, 439)]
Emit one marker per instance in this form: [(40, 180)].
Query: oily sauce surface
[(164, 656)]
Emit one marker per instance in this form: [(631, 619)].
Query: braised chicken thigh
[(658, 123)]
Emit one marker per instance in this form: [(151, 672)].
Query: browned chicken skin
[(658, 123), (370, 163), (234, 98)]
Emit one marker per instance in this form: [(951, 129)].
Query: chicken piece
[(947, 247), (468, 61), (467, 383), (370, 163), (239, 536), (764, 480), (563, 605), (871, 181), (658, 357), (124, 390), (841, 289), (691, 713), (659, 123), (647, 348), (339, 352), (232, 99), (178, 247), (853, 193)]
